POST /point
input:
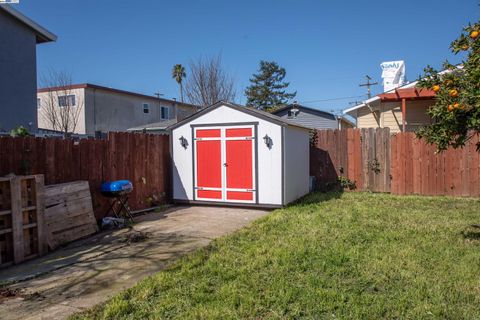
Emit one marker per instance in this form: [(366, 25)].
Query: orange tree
[(456, 113)]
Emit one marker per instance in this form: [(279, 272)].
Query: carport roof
[(161, 125), (254, 112)]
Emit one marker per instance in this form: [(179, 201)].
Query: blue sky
[(326, 46)]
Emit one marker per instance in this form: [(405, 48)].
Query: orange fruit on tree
[(474, 34), (456, 105), (453, 93), (450, 108), (436, 88), (465, 47)]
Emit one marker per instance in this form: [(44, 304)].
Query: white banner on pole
[(393, 74)]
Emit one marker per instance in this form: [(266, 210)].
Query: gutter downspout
[(404, 113)]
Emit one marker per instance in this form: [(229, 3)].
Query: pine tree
[(456, 113), (267, 89)]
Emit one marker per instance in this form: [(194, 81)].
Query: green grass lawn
[(331, 256)]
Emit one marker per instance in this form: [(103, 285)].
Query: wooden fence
[(373, 158), (401, 164), (140, 158)]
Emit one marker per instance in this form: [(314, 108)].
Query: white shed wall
[(269, 160), (297, 163)]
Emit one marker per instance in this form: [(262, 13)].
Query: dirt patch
[(34, 296), (135, 236), (8, 293)]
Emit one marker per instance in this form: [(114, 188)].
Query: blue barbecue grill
[(118, 191)]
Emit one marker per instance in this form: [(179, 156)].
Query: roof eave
[(147, 129), (42, 34), (375, 98), (119, 91)]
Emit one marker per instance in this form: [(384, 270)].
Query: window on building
[(165, 113), (66, 101), (39, 103), (146, 108)]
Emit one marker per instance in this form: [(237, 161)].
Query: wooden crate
[(22, 216)]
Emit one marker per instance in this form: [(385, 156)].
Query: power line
[(354, 103), (333, 99), (368, 84)]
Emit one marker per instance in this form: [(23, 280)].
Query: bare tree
[(208, 82), (60, 106)]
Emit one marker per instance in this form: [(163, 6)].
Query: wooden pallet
[(22, 217), (69, 213)]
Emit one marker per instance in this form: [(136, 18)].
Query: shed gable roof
[(253, 112)]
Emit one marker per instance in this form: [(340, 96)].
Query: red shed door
[(224, 164), (239, 164), (208, 147)]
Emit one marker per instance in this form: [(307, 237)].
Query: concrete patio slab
[(90, 271)]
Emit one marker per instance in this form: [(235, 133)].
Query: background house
[(107, 109), (402, 109), (313, 118), (18, 68)]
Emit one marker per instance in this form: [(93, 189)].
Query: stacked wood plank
[(69, 212), (22, 227)]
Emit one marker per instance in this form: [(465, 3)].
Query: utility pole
[(368, 84)]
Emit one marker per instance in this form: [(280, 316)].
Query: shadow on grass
[(472, 232), (472, 235), (317, 197)]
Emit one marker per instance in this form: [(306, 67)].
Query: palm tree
[(178, 73)]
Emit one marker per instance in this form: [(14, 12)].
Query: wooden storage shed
[(234, 155)]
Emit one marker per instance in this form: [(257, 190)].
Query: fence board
[(409, 137), (474, 183), (358, 158), (416, 167), (393, 165), (350, 169)]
